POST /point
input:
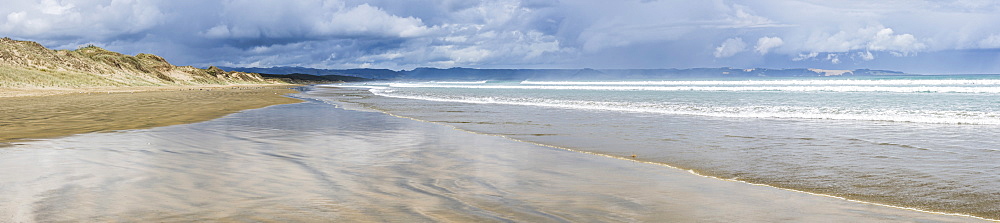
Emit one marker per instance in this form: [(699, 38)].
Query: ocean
[(921, 142)]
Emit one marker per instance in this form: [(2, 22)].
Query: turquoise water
[(926, 142)]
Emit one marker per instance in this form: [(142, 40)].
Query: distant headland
[(459, 73)]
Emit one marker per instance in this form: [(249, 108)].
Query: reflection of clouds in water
[(309, 118), (825, 151), (311, 162)]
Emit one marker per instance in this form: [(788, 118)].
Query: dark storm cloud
[(525, 33)]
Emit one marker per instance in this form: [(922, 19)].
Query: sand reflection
[(312, 162)]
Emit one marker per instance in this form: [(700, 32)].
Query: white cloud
[(310, 19), (866, 55), (802, 57), (616, 24), (219, 31), (79, 18), (366, 19), (16, 17), (765, 44), (472, 54), (52, 7), (991, 42), (886, 40), (971, 5), (740, 16), (833, 58), (873, 38), (730, 47), (475, 49)]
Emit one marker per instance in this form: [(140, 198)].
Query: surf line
[(804, 115)]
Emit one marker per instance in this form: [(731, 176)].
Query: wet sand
[(107, 109), (314, 162)]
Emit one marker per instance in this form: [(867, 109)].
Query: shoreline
[(680, 194), (318, 162), (690, 171), (48, 113), (698, 174)]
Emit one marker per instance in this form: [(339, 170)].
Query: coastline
[(54, 112), (319, 162)]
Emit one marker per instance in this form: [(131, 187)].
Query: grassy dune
[(16, 77), (25, 64), (50, 93)]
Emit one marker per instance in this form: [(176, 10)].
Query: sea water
[(923, 142)]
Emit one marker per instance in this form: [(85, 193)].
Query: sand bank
[(43, 113), (314, 162)]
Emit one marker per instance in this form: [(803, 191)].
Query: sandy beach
[(317, 162), (44, 113)]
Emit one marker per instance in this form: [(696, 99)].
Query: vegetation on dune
[(13, 77), (26, 64)]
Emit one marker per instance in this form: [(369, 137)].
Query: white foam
[(780, 112), (791, 88), (459, 82), (920, 82)]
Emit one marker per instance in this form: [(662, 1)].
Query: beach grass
[(12, 77)]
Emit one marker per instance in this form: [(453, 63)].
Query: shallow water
[(921, 142), (313, 162)]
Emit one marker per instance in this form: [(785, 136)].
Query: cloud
[(368, 35), (730, 47), (15, 17), (765, 44), (866, 55), (802, 57), (740, 16), (470, 50), (873, 38), (79, 19), (515, 33), (218, 32), (886, 40), (833, 58), (52, 7), (311, 20), (991, 42), (632, 23), (367, 20)]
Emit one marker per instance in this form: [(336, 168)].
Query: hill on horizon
[(299, 78), (459, 73)]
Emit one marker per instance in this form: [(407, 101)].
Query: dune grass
[(12, 77)]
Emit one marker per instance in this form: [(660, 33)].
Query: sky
[(914, 36)]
